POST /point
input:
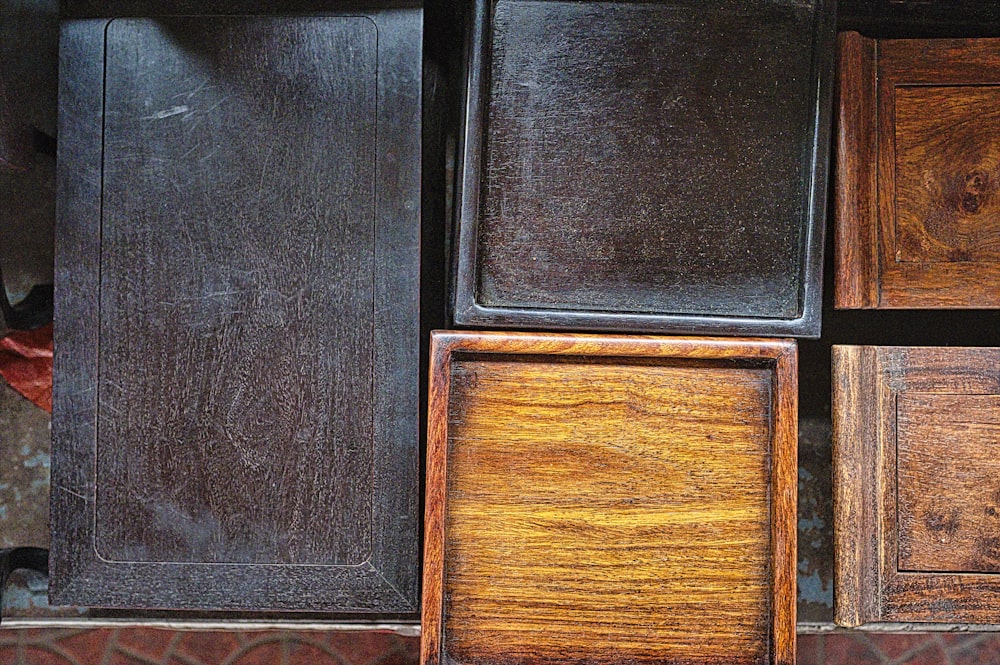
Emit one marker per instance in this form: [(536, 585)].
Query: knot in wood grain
[(976, 184)]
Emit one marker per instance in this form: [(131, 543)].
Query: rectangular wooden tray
[(609, 500), (641, 166), (236, 408)]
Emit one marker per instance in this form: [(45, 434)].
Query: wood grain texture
[(948, 441), (609, 500), (249, 226), (933, 206), (914, 433), (216, 344), (704, 149), (948, 182), (855, 232), (856, 483)]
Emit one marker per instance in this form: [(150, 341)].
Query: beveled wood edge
[(955, 286), (648, 346), (782, 352), (466, 311), (470, 150), (432, 615), (856, 188), (857, 524), (472, 314), (397, 426), (192, 587), (78, 200), (88, 9), (784, 506)]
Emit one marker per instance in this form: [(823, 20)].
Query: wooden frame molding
[(915, 484), (578, 499), (918, 172)]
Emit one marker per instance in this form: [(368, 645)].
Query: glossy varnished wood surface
[(609, 499), (915, 491), (645, 166), (918, 223), (236, 413)]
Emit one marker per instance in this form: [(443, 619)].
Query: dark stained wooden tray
[(645, 166), (236, 418)]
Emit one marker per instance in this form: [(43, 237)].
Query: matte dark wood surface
[(236, 417), (915, 489), (645, 166), (234, 318), (609, 500), (918, 222)]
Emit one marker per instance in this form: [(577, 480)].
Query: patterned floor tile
[(979, 650), (151, 646)]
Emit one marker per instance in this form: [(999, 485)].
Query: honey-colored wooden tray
[(609, 500)]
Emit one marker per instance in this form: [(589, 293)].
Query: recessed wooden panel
[(239, 256), (608, 499), (650, 166), (918, 183), (948, 174), (916, 496), (949, 441), (253, 317)]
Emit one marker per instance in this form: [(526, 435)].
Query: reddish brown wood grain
[(856, 258), (614, 499), (918, 183), (949, 482), (915, 490)]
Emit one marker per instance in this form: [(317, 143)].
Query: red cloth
[(26, 364)]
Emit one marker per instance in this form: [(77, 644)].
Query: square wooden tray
[(641, 166), (609, 500)]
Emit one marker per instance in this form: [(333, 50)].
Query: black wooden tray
[(236, 405), (645, 166)]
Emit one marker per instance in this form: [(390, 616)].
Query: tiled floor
[(151, 646), (899, 649)]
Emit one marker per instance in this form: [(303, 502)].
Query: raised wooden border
[(467, 311), (867, 273), (855, 234), (868, 586), (782, 354), (389, 581)]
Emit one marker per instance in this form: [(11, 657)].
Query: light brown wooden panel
[(609, 500), (918, 176), (916, 494), (949, 482)]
